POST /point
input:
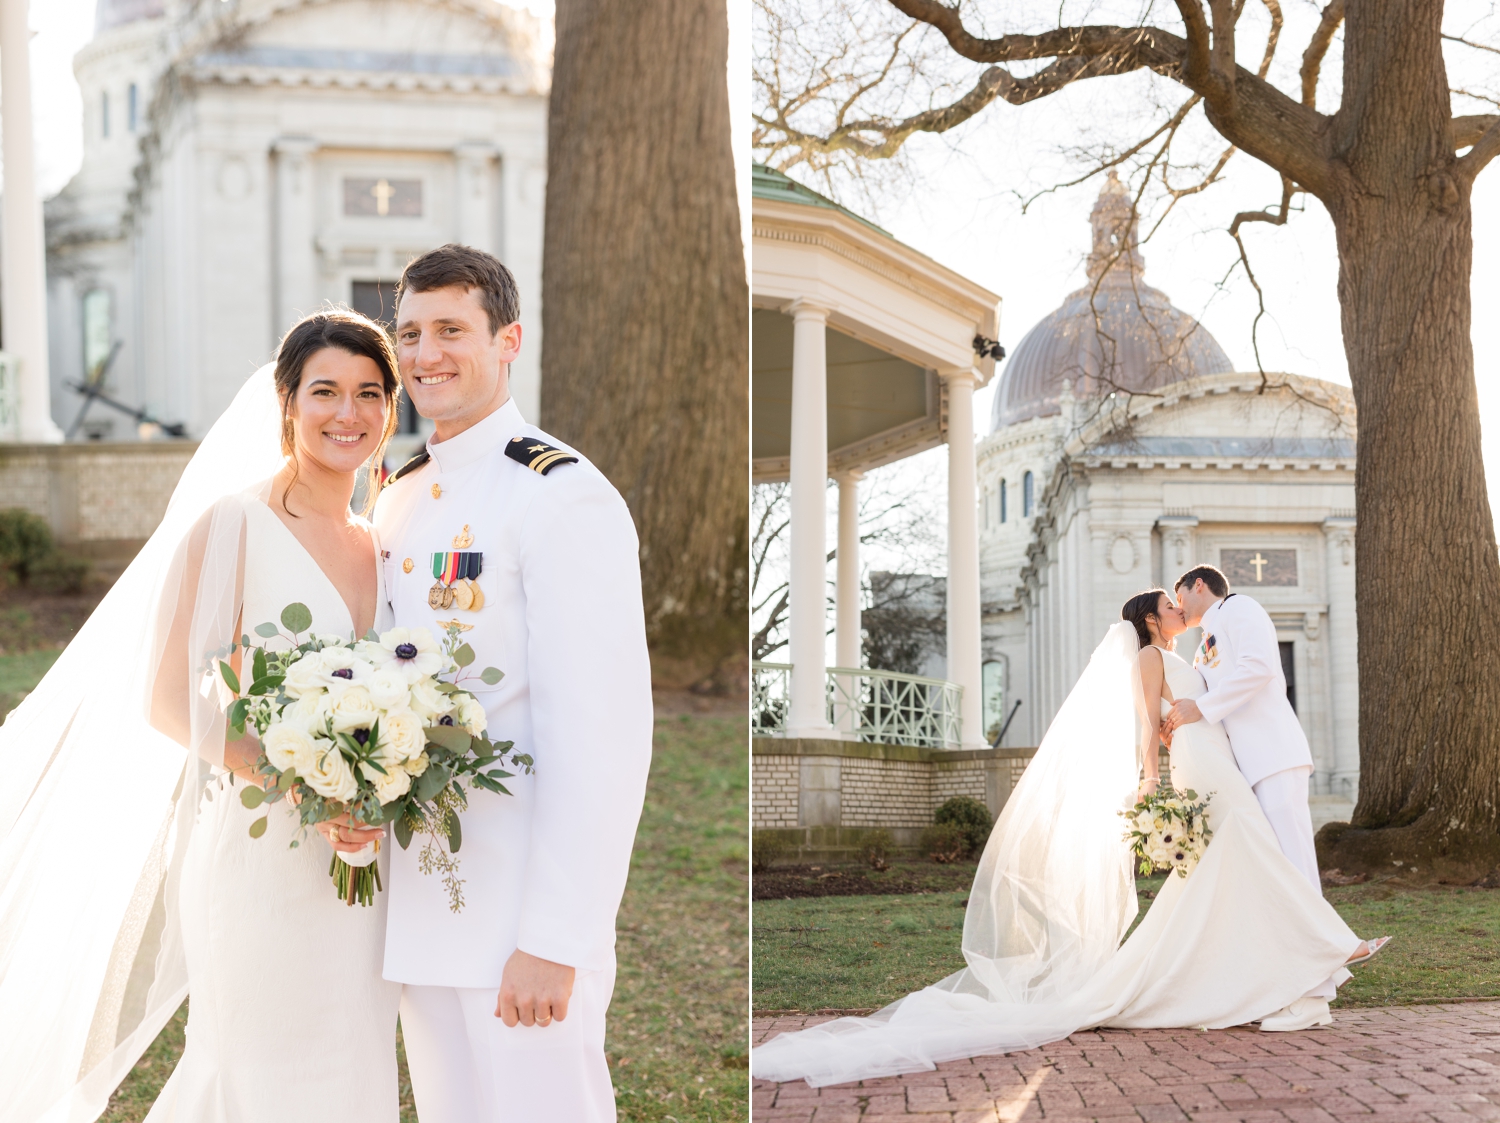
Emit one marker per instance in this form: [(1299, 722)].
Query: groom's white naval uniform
[(543, 869), (1240, 661)]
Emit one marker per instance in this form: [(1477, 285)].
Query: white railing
[(865, 705), (769, 694)]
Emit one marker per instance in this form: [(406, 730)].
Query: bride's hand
[(1148, 787), (347, 838)]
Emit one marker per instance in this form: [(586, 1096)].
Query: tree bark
[(1428, 571), (645, 313)]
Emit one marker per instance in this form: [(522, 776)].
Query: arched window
[(1026, 496), (1002, 500), (104, 114), (131, 115)]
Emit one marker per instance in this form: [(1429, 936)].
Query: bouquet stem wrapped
[(369, 733)]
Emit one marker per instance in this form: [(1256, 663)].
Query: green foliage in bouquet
[(1168, 830), (970, 816), (404, 752)]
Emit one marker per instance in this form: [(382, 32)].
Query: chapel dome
[(1115, 334)]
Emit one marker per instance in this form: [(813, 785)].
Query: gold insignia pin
[(406, 566), (537, 448), (463, 539), (459, 624), (437, 492)]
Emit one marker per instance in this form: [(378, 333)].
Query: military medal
[(455, 572)]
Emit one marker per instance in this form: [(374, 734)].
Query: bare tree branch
[(1485, 149), (1471, 43), (1464, 132), (1317, 49)]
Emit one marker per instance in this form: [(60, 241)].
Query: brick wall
[(885, 793), (774, 781)]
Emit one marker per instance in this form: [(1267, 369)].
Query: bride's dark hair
[(353, 334), (1140, 606)]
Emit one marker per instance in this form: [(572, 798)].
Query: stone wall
[(821, 797), (106, 497)]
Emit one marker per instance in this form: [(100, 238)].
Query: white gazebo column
[(808, 716), (23, 264), (963, 556), (846, 581), (1343, 655)]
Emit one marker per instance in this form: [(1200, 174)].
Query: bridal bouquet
[(372, 729), (1168, 831)]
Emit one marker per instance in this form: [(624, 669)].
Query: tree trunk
[(1428, 572), (645, 309)]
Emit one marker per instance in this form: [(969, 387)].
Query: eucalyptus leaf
[(287, 780), (455, 834), (372, 636), (491, 675), (452, 737), (403, 832), (464, 655), (253, 796), (266, 630), (267, 684), (296, 618), (258, 664), (258, 827), (447, 688), (432, 781), (231, 679)]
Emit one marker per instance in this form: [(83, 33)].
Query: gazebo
[(864, 352)]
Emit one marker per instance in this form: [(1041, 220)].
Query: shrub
[(765, 851), (877, 849), (969, 816), (27, 551), (944, 842)]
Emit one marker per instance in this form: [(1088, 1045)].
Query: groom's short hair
[(1217, 583), (473, 269)]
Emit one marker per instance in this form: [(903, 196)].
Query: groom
[(1240, 662), (535, 554)]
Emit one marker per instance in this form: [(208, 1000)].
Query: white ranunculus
[(305, 675), (328, 773), (471, 714), (388, 688), (428, 701), (401, 734), (288, 745), (417, 764), (352, 709), (1143, 821), (412, 651)]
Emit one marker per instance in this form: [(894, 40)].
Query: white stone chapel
[(1123, 449), (247, 160)]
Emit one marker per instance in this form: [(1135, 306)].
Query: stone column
[(23, 261), (1343, 655), (475, 205), (808, 546), (846, 587), (963, 556), (296, 218)]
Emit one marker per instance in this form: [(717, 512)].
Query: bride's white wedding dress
[(289, 1019), (1238, 939)]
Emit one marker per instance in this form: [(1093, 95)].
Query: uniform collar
[(1212, 610), (478, 440)]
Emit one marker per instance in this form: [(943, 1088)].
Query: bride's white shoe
[(1302, 1014)]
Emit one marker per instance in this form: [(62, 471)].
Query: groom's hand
[(533, 991), (1184, 712)]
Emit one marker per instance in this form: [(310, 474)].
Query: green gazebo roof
[(767, 183)]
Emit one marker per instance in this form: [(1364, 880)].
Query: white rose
[(305, 675), (393, 785), (412, 651), (352, 709), (417, 764), (428, 701), (401, 733), (328, 774), (388, 689), (1143, 821), (471, 714), (288, 745)]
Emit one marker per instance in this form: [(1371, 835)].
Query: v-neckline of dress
[(308, 554)]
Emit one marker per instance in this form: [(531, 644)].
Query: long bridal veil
[(98, 804), (1053, 897)]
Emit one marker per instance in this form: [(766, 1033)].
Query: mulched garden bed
[(781, 883)]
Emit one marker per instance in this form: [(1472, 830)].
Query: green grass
[(856, 953), (19, 674), (677, 1026)]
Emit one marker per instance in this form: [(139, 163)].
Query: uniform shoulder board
[(539, 456), (409, 467)]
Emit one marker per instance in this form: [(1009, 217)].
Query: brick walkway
[(1392, 1065)]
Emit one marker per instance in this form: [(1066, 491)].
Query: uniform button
[(406, 566), (437, 492)]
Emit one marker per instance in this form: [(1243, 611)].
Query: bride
[(1241, 937), (128, 878)]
